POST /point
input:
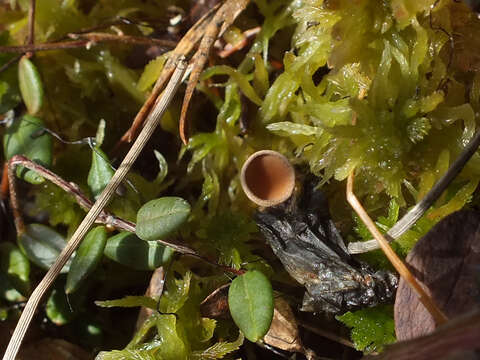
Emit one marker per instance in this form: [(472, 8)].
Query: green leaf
[(30, 84), (100, 135), (172, 346), (160, 217), (250, 299), (86, 258), (25, 137), (151, 73), (100, 172), (7, 291), (42, 245), (372, 328), (58, 310), (178, 289), (130, 301), (9, 92), (17, 267), (219, 350), (127, 249), (163, 167), (128, 354)]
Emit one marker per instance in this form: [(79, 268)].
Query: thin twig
[(415, 213), (10, 63), (152, 121), (183, 48), (104, 217), (397, 263), (31, 26), (84, 202), (84, 40), (31, 23), (97, 37)]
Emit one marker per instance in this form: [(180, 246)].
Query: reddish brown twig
[(71, 188), (31, 25), (4, 183), (229, 49), (85, 203), (91, 39), (96, 37), (184, 47), (223, 18)]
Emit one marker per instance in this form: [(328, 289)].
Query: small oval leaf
[(17, 267), (30, 84), (163, 167), (160, 217), (58, 310), (100, 172), (127, 249), (26, 137), (42, 245), (130, 301), (87, 258), (250, 299)]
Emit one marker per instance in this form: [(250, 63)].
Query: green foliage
[(151, 73), (160, 217), (130, 301), (378, 106), (178, 331), (86, 258), (372, 328), (60, 206), (26, 137), (127, 249), (250, 299), (218, 350), (15, 266), (228, 233), (58, 309), (364, 87), (42, 245), (31, 86), (100, 173), (8, 291)]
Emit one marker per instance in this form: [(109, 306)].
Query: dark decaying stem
[(415, 213)]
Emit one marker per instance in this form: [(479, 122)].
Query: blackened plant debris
[(303, 236)]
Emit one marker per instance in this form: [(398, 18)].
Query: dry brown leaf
[(283, 333), (446, 261), (215, 305), (457, 339)]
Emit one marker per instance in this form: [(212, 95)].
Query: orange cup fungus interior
[(268, 178)]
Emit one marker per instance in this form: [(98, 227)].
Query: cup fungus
[(267, 178)]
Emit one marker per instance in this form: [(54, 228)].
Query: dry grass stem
[(397, 263), (415, 213)]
